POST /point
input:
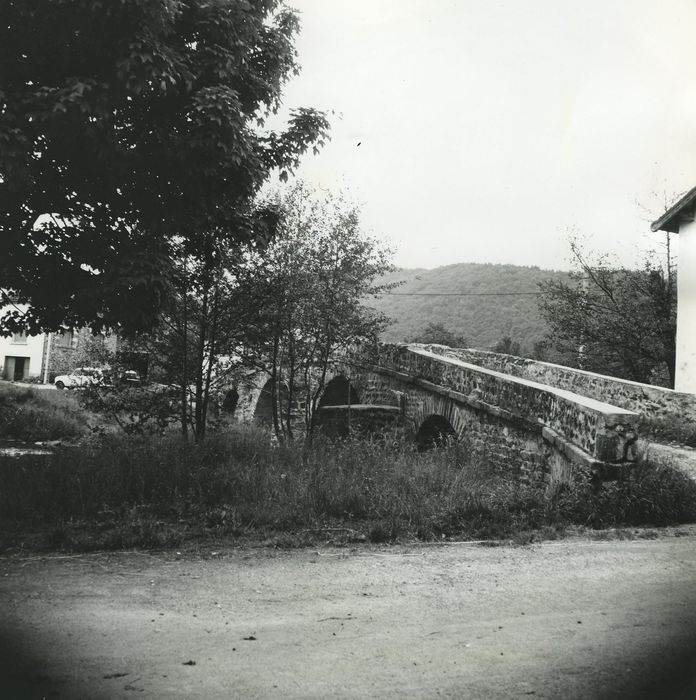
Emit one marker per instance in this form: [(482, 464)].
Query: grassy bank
[(33, 415), (674, 429), (126, 492)]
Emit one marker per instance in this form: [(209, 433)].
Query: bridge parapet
[(588, 427), (645, 399)]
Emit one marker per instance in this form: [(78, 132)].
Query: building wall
[(73, 349), (685, 376), (31, 349), (48, 354)]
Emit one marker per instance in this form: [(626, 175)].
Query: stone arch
[(263, 410), (434, 431), (424, 405), (339, 392), (230, 402)]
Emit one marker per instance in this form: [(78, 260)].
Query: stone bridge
[(503, 419), (542, 418)]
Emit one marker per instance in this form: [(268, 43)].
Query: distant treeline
[(482, 320)]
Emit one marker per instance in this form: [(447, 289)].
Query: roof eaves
[(678, 213)]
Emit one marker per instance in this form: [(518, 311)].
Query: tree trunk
[(199, 427), (291, 386), (184, 364), (274, 385), (212, 347)]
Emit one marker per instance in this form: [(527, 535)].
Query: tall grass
[(381, 490), (672, 429), (33, 415)]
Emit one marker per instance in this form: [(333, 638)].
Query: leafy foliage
[(283, 305), (127, 130), (437, 334), (614, 320), (308, 292), (201, 324), (507, 346), (143, 410)]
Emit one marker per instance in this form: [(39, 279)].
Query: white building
[(21, 355), (31, 357), (680, 219)]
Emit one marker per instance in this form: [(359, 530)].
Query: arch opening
[(263, 412), (339, 392), (229, 403), (435, 431)]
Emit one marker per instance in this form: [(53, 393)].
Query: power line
[(459, 294)]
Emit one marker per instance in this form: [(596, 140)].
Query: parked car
[(131, 378), (79, 378), (122, 378)]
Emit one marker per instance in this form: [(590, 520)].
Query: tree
[(132, 132), (309, 289), (507, 346), (202, 323), (614, 320), (438, 334), (285, 306)]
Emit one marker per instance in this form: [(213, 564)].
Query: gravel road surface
[(561, 620)]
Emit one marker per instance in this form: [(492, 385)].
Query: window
[(64, 339), (19, 339)]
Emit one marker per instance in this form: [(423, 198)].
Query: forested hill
[(482, 320)]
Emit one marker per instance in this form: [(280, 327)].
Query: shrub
[(674, 428), (646, 495), (32, 415), (135, 410)]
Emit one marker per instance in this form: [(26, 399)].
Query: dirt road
[(575, 619)]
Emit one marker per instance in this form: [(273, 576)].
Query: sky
[(492, 130)]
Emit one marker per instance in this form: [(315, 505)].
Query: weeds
[(680, 430), (157, 491)]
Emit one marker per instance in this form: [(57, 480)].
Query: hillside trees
[(508, 346), (438, 334), (614, 320), (465, 299), (133, 132)]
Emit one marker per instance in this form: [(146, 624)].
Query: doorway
[(16, 368)]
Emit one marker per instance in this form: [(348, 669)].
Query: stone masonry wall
[(342, 421), (603, 431), (493, 443), (389, 402), (644, 399), (507, 422), (64, 356)]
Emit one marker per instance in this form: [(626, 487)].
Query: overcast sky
[(486, 130)]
